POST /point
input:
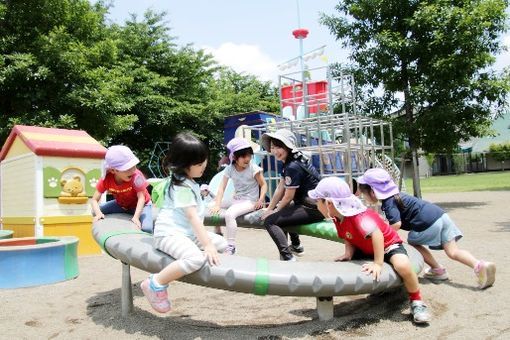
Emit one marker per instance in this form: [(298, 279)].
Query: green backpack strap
[(160, 188)]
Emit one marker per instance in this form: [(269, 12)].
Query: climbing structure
[(340, 141)]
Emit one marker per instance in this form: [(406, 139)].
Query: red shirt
[(125, 193), (358, 228)]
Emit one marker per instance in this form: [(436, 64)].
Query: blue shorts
[(112, 207), (442, 231)]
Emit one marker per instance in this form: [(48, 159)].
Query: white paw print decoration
[(93, 182), (52, 182)]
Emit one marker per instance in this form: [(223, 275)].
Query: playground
[(90, 305)]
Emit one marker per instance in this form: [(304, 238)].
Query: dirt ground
[(89, 306)]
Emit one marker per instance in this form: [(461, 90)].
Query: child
[(179, 230), (294, 207), (249, 184), (427, 223), (127, 185), (366, 234)]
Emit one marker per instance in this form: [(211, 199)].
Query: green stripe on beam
[(261, 285)]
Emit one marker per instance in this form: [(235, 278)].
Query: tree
[(430, 61), (52, 52), (62, 65)]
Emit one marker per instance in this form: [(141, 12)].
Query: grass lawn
[(485, 181)]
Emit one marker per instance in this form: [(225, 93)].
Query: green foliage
[(430, 157), (437, 54), (459, 162), (62, 65), (500, 152)]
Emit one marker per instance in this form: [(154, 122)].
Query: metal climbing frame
[(340, 144)]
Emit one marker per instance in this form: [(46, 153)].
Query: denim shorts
[(442, 231)]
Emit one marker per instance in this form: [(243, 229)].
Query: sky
[(251, 36)]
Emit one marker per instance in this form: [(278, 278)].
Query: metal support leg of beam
[(126, 293), (325, 308)]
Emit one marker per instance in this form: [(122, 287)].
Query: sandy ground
[(89, 306)]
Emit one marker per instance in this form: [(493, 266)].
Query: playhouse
[(46, 179)]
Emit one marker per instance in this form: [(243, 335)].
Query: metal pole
[(325, 308), (126, 293), (303, 78)]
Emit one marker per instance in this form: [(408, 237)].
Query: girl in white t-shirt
[(179, 229), (249, 186)]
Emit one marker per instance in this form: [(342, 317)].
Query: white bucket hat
[(283, 135), (337, 190)]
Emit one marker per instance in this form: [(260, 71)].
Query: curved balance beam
[(118, 237)]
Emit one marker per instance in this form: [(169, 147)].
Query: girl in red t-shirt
[(363, 230), (128, 186)]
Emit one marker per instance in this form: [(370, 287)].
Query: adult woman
[(290, 204)]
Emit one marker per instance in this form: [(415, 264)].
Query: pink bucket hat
[(380, 181), (120, 157), (236, 144), (337, 190)]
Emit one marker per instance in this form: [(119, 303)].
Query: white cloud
[(245, 58), (506, 41), (503, 59)]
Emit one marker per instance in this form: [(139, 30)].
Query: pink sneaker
[(158, 300), (439, 274), (485, 273)]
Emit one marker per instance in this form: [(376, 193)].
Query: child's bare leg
[(427, 256), (463, 256), (403, 267), (485, 271), (170, 273)]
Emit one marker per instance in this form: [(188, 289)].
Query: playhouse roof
[(55, 142)]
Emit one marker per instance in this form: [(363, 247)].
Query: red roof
[(55, 142)]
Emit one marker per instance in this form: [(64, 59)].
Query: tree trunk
[(412, 143), (416, 173)]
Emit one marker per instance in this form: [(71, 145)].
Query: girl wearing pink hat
[(128, 186), (249, 185), (427, 223), (366, 234)]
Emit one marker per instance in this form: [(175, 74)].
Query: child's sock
[(415, 296), (155, 285)]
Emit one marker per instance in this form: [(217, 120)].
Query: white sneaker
[(230, 250), (420, 312), (485, 273)]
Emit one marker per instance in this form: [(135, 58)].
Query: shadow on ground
[(350, 318), (503, 226), (449, 206)]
